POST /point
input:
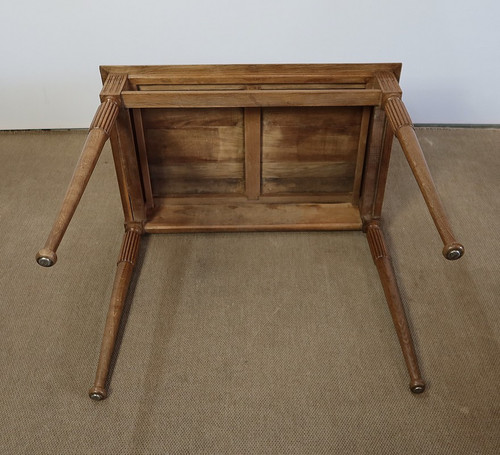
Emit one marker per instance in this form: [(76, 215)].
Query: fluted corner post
[(125, 266), (382, 260), (99, 132), (402, 126)]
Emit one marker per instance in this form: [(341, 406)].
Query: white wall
[(50, 50)]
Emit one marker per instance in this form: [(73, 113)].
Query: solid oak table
[(251, 147)]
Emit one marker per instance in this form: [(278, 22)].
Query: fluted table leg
[(402, 125), (386, 272), (99, 132), (125, 266)]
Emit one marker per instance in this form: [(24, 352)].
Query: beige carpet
[(251, 343)]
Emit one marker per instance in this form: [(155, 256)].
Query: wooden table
[(251, 147)]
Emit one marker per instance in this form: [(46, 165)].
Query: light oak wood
[(250, 98), (253, 150), (195, 151), (124, 269), (360, 154), (402, 126), (182, 87), (251, 147), (383, 263), (376, 137), (253, 216), (252, 74), (99, 132), (143, 157), (282, 198), (310, 150), (126, 156)]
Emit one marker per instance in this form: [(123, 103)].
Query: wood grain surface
[(251, 147)]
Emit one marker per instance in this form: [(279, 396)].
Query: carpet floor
[(250, 343)]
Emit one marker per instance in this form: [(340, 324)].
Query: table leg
[(386, 272), (125, 266)]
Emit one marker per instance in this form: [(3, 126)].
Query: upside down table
[(251, 147)]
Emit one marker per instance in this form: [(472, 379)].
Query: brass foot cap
[(46, 258), (97, 393), (417, 387), (453, 252)]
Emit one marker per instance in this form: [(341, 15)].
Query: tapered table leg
[(402, 126), (125, 266), (99, 132), (386, 272)]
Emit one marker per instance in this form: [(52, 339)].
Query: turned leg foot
[(386, 272), (125, 266)]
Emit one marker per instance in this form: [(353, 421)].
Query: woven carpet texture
[(250, 343)]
